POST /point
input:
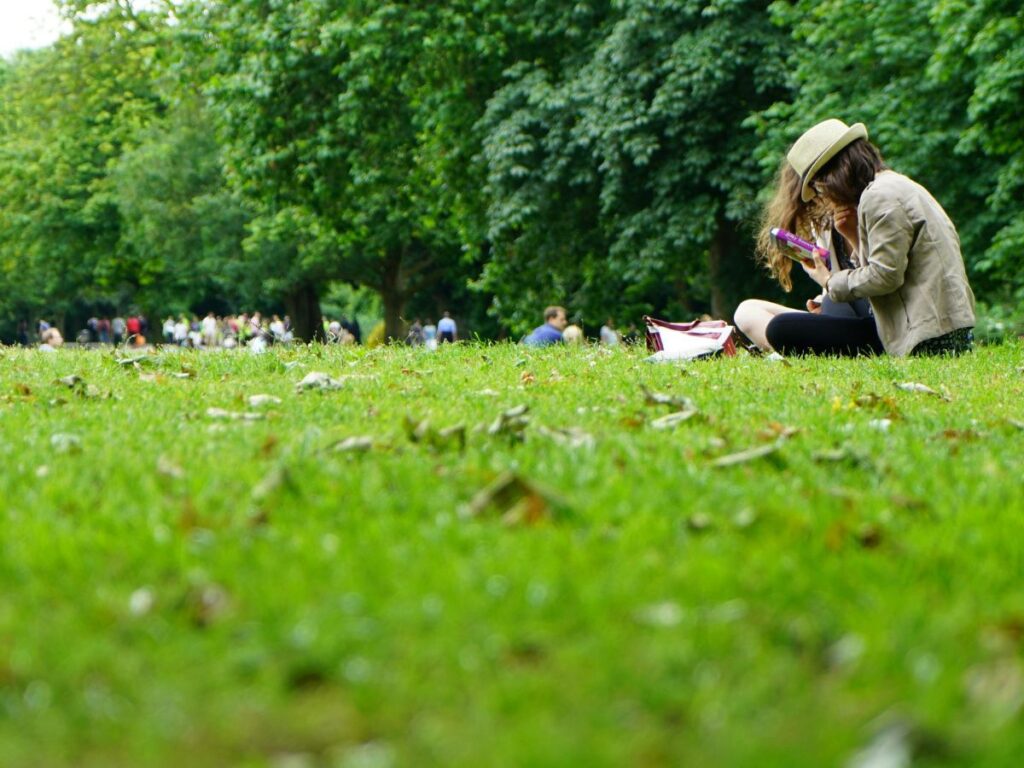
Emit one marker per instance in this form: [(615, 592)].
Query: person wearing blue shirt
[(550, 333), (447, 333)]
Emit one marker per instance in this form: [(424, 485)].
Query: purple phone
[(788, 238)]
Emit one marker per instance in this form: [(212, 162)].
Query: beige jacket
[(912, 271)]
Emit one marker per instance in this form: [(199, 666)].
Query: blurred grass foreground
[(488, 555)]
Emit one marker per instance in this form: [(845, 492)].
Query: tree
[(319, 109), (879, 67), (981, 46), (181, 228), (625, 171), (351, 127), (68, 112)]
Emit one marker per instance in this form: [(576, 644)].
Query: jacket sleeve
[(888, 235)]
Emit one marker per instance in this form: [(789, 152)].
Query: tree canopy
[(484, 156)]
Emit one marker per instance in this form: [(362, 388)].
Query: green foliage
[(897, 69), (983, 45), (339, 119), (67, 114), (624, 172), (484, 156), (113, 192), (181, 229)]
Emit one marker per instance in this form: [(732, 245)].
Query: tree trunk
[(303, 304), (393, 298), (725, 270)]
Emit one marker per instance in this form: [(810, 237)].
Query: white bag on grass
[(688, 341)]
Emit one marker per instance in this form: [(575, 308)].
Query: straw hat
[(817, 146)]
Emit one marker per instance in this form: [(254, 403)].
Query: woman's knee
[(749, 316)]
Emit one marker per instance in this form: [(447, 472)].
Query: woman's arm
[(889, 235)]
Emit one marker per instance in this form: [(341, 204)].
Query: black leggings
[(803, 333)]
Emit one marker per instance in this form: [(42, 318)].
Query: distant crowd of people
[(212, 331), (554, 330), (257, 331), (430, 335)]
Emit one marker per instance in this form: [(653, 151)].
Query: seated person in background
[(573, 334), (609, 336), (891, 244), (51, 338), (551, 332)]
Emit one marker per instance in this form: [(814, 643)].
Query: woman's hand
[(814, 305), (845, 220), (816, 270)]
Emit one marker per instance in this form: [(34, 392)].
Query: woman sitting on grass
[(890, 241)]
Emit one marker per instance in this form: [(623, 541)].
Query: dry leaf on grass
[(318, 380), (570, 437), (133, 360), (258, 401), (747, 456), (878, 402), (224, 415), (168, 468), (66, 443), (745, 518), (845, 456), (515, 501), (141, 601), (423, 432), (679, 402), (774, 430), (890, 747), (511, 424), (354, 445), (73, 381), (275, 480), (924, 389), (699, 522), (870, 535), (997, 687), (673, 420), (961, 435), (666, 614), (206, 604), (77, 385), (844, 654)]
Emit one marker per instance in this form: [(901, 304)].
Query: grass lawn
[(189, 579)]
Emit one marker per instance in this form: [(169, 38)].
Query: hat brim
[(850, 135)]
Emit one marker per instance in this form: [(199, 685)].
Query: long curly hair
[(787, 210), (843, 179)]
